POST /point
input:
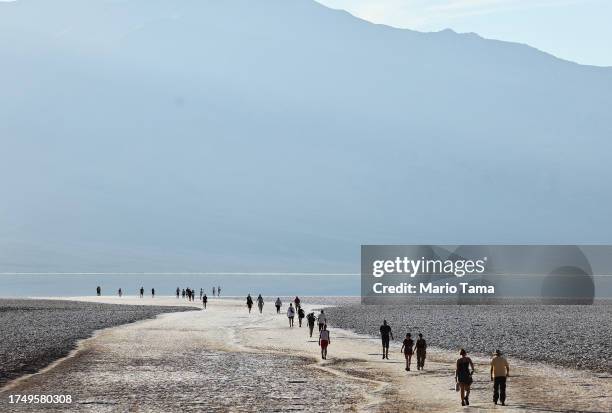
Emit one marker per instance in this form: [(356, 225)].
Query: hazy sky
[(576, 30)]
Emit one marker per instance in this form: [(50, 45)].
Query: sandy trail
[(225, 359)]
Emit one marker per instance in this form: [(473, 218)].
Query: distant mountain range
[(277, 135)]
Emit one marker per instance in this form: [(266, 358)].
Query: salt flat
[(225, 359)]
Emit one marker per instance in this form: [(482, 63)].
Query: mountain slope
[(281, 135)]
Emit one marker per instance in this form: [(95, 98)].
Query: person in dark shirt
[(407, 349), (204, 300), (152, 292), (311, 322), (249, 302), (421, 352), (385, 333), (260, 303), (463, 376), (141, 292)]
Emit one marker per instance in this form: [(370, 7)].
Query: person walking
[(278, 303), (290, 314), (311, 318), (500, 370), (249, 302), (324, 341), (260, 303), (407, 349), (204, 301), (214, 291), (219, 291), (120, 292), (201, 293), (98, 291), (385, 333), (421, 352), (178, 292), (183, 293), (301, 316), (322, 320), (152, 292), (297, 302), (463, 376), (141, 292)]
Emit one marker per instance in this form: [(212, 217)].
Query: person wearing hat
[(500, 370)]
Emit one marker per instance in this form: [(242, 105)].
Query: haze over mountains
[(276, 135)]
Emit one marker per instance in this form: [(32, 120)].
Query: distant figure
[(152, 292), (385, 332), (500, 370), (141, 292), (260, 303), (278, 303), (290, 314), (311, 322), (188, 294), (322, 319), (249, 302), (201, 293), (120, 293), (183, 293), (421, 352), (219, 291), (98, 290), (463, 376), (204, 301), (214, 291), (324, 341), (178, 292), (297, 301), (407, 349), (301, 316)]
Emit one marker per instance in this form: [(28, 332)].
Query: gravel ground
[(575, 336), (37, 332)]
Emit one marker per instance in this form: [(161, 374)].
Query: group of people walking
[(190, 294), (464, 368), (120, 292), (292, 311)]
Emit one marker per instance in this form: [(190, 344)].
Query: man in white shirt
[(322, 320), (290, 314)]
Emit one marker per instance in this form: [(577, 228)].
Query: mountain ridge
[(285, 141)]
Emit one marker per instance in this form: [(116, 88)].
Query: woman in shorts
[(463, 376)]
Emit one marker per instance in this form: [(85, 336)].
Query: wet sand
[(224, 359)]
